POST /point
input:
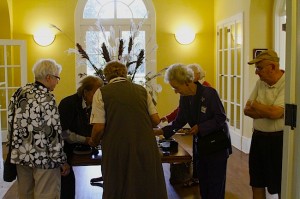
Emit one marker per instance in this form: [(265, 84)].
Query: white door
[(230, 74), (13, 74)]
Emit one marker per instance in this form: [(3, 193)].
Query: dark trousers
[(211, 171), (195, 175), (68, 186)]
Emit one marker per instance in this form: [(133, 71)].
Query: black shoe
[(99, 179), (99, 184)]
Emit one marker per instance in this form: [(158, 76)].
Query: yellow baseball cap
[(265, 55)]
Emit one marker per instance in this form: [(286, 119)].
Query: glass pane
[(3, 98), (239, 62), (232, 35), (14, 76), (228, 36), (221, 90), (12, 55), (107, 11), (232, 60), (2, 76), (139, 9), (220, 62), (231, 115), (1, 55), (238, 115), (92, 8), (225, 38), (123, 11), (232, 89), (15, 55), (94, 40), (239, 32), (226, 109), (225, 87), (3, 120), (238, 90), (225, 62), (220, 38)]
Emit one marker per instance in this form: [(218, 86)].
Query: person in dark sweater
[(201, 108), (75, 113)]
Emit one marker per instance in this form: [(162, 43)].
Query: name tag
[(203, 109)]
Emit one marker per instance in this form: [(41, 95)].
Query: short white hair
[(179, 73), (44, 67), (197, 69)]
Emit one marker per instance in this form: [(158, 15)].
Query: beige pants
[(36, 183)]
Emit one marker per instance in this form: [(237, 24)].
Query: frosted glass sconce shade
[(44, 37), (185, 36)]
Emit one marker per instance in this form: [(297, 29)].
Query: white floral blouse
[(36, 138)]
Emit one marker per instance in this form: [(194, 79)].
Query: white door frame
[(291, 146)]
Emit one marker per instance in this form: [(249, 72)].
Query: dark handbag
[(213, 142), (10, 170)]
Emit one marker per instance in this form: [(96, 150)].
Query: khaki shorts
[(38, 183)]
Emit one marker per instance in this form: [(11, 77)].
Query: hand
[(193, 131), (158, 131), (87, 140), (163, 119), (92, 143), (65, 169)]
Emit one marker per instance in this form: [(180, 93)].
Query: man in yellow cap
[(266, 106)]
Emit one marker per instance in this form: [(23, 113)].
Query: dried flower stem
[(139, 61), (84, 55)]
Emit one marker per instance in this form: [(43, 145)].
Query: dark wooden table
[(90, 159)]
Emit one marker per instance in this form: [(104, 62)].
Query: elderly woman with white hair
[(202, 109), (35, 130), (199, 76)]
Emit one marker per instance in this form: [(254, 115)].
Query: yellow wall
[(170, 14), (4, 20), (261, 24), (28, 16), (202, 15)]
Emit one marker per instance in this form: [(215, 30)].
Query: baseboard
[(240, 142)]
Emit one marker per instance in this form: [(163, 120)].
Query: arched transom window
[(108, 9), (108, 21)]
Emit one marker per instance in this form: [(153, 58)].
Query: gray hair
[(179, 73), (197, 69), (89, 83), (45, 67)]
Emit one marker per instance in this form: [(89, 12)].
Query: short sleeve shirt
[(269, 95)]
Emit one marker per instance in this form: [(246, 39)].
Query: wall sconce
[(185, 35), (44, 37)]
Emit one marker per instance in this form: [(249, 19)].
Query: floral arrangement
[(113, 49)]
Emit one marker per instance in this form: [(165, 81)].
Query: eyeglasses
[(58, 78), (260, 68)]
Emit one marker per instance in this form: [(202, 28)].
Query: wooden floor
[(237, 185)]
